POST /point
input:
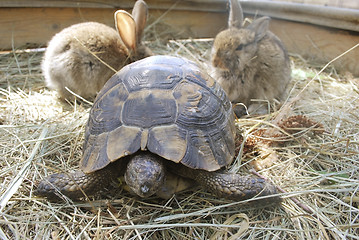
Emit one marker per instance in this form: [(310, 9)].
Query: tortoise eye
[(239, 47)]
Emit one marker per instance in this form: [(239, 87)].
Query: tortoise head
[(145, 174)]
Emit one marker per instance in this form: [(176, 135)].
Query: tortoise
[(158, 116)]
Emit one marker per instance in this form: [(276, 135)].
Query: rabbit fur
[(84, 56), (250, 63)]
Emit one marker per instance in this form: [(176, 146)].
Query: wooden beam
[(203, 5), (197, 5), (333, 17), (353, 4)]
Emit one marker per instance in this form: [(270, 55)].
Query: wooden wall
[(318, 36), (35, 26), (35, 22), (319, 45)]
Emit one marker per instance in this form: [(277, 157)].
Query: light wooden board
[(319, 44)]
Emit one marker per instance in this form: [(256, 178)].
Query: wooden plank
[(334, 17), (36, 26), (319, 44)]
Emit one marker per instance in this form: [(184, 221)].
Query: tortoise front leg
[(228, 185), (75, 184), (235, 186)]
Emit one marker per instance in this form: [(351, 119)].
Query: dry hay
[(40, 135)]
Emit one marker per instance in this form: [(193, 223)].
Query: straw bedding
[(309, 148)]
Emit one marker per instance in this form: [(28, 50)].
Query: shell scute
[(168, 142), (118, 146), (146, 77), (106, 112), (199, 154), (148, 108)]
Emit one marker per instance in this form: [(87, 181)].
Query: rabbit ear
[(139, 14), (260, 26), (235, 18), (126, 27)]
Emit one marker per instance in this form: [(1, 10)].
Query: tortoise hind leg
[(75, 184)]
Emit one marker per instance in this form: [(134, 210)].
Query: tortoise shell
[(162, 104)]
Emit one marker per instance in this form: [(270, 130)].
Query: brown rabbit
[(250, 63), (84, 56)]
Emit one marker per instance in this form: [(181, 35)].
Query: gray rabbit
[(250, 63), (84, 56)]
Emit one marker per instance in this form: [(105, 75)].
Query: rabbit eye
[(240, 47)]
